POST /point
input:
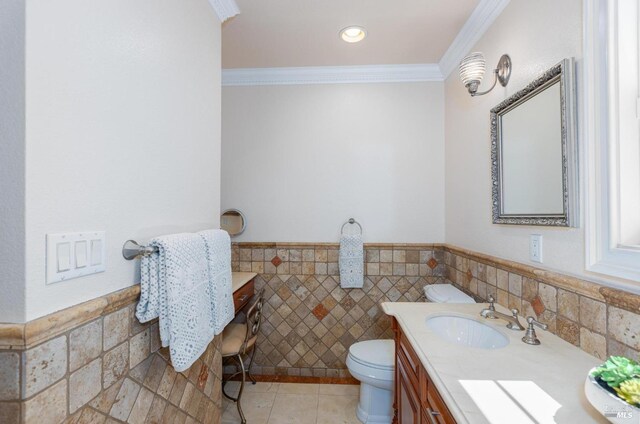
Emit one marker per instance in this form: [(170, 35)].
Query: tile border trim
[(563, 281), (306, 245), (23, 336), (276, 378)]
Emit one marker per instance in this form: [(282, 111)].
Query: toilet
[(446, 293), (372, 362)]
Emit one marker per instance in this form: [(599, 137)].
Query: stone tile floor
[(293, 403)]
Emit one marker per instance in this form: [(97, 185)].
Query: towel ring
[(351, 221)]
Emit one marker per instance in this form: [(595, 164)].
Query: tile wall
[(93, 363), (600, 320), (309, 321)]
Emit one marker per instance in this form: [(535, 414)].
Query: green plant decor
[(622, 376), (630, 391)]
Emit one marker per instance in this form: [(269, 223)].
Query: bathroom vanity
[(417, 400), (454, 366), (243, 288)]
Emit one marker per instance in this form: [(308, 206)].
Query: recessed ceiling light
[(353, 34)]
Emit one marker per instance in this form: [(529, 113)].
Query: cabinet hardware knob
[(432, 414)]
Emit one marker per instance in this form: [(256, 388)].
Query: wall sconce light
[(472, 70)]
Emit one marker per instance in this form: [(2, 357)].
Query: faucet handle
[(492, 300), (530, 336), (488, 313), (532, 321)]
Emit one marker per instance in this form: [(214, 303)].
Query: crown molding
[(331, 75), (480, 20), (225, 9)]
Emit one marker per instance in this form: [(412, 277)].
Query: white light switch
[(63, 253), (74, 255), (96, 252), (535, 248), (81, 254)]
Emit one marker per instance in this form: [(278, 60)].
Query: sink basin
[(466, 332)]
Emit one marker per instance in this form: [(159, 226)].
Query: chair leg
[(224, 383), (253, 353), (242, 418)]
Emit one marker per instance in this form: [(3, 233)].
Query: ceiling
[(288, 33)]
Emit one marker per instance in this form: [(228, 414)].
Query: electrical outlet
[(535, 248)]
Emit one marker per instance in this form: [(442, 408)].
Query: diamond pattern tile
[(320, 312), (432, 263), (310, 321), (538, 306)]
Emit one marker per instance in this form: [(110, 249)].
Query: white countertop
[(519, 383), (239, 279)]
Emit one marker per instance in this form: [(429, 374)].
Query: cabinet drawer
[(242, 296)]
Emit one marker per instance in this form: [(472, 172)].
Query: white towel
[(176, 287), (351, 261), (219, 256)]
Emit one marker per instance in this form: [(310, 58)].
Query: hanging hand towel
[(219, 257), (351, 261), (175, 286)]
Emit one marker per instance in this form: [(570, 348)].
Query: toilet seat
[(378, 354), (373, 362)]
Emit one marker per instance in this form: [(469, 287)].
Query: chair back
[(254, 319)]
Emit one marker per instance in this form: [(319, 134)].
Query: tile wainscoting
[(95, 363), (600, 320), (309, 321)]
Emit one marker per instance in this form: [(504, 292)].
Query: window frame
[(603, 256)]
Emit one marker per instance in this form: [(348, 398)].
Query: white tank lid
[(376, 353), (446, 293)]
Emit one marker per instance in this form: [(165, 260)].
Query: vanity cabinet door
[(408, 401), (416, 399)]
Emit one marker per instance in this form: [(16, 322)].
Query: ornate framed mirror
[(534, 161)]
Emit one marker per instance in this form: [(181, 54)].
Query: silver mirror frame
[(244, 221), (563, 72)]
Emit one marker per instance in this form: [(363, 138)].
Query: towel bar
[(132, 250), (351, 221)]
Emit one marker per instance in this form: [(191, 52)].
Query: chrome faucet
[(513, 323), (530, 336)]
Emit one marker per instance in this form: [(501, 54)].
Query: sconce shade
[(472, 70)]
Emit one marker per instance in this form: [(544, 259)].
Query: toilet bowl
[(372, 363)]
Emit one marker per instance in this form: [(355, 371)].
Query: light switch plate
[(535, 248), (74, 255)]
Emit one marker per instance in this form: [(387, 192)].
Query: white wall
[(123, 131), (536, 35), (300, 160), (12, 163)]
